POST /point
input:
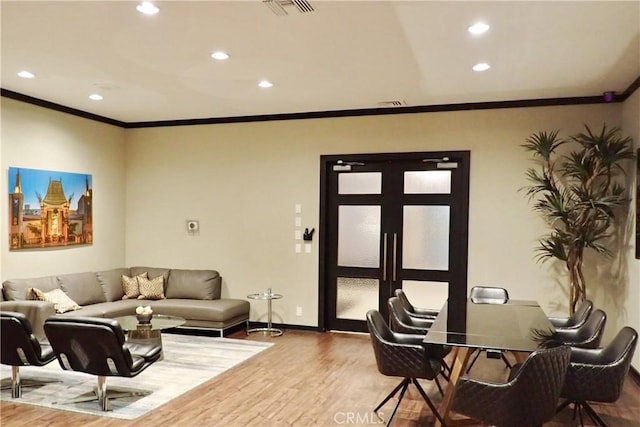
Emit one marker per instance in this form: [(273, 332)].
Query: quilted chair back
[(19, 346), (91, 345), (401, 321), (412, 309), (404, 301), (398, 359), (528, 399), (598, 375), (589, 335), (581, 315)]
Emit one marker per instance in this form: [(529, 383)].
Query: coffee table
[(148, 333)]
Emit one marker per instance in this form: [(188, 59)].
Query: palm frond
[(553, 246), (543, 144)]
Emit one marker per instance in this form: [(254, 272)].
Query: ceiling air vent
[(394, 103), (279, 6)]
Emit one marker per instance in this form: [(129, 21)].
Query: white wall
[(242, 182), (37, 138), (631, 308)]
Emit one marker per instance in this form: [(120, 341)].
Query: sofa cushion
[(83, 288), (110, 310), (130, 286), (151, 288), (151, 272), (16, 289), (193, 284), (61, 302), (111, 282), (214, 311)]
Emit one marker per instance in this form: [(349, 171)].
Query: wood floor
[(305, 379)]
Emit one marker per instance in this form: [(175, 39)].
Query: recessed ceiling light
[(478, 28), (147, 8), (95, 97), (220, 56), (265, 83), (482, 66), (26, 74)]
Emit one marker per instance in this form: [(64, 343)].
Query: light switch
[(307, 248), (298, 221), (298, 208), (298, 248), (298, 235)]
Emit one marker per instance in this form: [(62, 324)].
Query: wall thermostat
[(193, 225)]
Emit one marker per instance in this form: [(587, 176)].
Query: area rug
[(188, 362)]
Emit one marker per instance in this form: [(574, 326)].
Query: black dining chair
[(401, 321), (402, 355), (527, 399), (488, 295), (588, 335), (19, 348), (97, 346), (597, 375), (422, 313), (576, 320)]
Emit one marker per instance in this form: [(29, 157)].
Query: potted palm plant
[(579, 192)]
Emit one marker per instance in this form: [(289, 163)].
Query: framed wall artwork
[(49, 209)]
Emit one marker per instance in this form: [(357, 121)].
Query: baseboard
[(635, 375), (285, 326), (185, 330)]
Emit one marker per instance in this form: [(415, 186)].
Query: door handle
[(384, 257), (395, 253)]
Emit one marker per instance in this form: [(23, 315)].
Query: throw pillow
[(151, 288), (130, 286), (61, 302)]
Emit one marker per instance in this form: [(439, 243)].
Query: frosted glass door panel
[(426, 294), (355, 297), (359, 236), (360, 183), (426, 237), (427, 182)]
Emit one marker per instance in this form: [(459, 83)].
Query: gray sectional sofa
[(194, 295)]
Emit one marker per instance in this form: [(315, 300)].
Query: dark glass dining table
[(518, 326)]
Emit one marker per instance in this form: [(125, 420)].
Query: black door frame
[(461, 211)]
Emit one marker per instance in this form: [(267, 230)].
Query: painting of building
[(49, 209)]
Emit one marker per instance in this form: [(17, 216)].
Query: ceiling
[(344, 55)]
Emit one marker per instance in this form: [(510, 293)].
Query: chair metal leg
[(429, 402), (578, 407), (477, 351), (506, 361), (16, 383), (563, 405), (439, 387), (16, 390), (593, 415), (102, 394), (390, 395), (577, 412), (404, 385), (445, 371), (395, 408)]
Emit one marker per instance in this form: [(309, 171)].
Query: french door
[(390, 221)]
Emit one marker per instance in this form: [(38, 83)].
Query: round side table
[(268, 296)]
